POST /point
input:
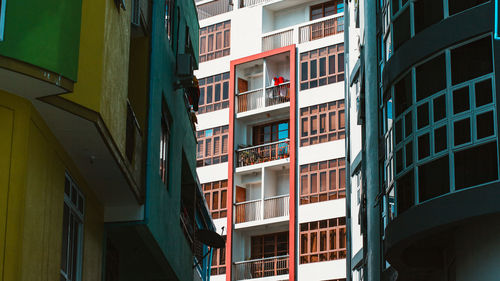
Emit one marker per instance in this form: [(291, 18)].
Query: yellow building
[(71, 115)]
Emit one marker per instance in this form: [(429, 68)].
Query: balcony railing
[(263, 153), (259, 209), (259, 268), (213, 8), (277, 40), (250, 100), (248, 3), (321, 29), (302, 33), (278, 94)]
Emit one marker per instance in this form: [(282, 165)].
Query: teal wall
[(163, 205), (44, 33)]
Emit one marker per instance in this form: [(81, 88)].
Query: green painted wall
[(163, 205), (43, 33)]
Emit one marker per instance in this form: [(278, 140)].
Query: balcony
[(303, 33), (258, 210), (257, 99), (212, 8), (263, 153), (258, 268)]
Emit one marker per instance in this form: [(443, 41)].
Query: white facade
[(250, 28)]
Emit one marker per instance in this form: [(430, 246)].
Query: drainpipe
[(373, 260), (348, 141)]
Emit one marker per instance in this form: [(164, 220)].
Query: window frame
[(306, 229), (218, 265), (169, 19), (209, 189), (202, 158), (208, 48), (314, 113), (316, 56), (205, 107), (308, 170), (76, 214), (165, 144), (3, 5)]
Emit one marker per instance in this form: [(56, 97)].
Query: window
[(269, 246), (322, 181), (219, 261), (457, 6), (322, 123), (215, 41), (212, 146), (322, 67), (216, 197), (326, 9), (214, 93), (164, 144), (2, 18), (270, 132), (323, 240), (72, 236), (169, 18)]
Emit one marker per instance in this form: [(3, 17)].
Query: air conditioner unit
[(136, 12)]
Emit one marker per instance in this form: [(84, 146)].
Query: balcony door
[(270, 132)]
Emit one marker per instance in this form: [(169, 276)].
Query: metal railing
[(278, 94), (277, 206), (253, 210), (259, 268), (321, 29), (263, 153), (250, 100), (213, 8), (277, 40), (248, 211), (248, 3)]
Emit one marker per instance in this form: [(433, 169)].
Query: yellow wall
[(102, 84), (33, 178)]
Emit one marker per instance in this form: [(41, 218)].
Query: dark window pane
[(483, 93), (331, 64), (423, 115), (405, 192), (440, 139), (485, 125), (409, 154), (461, 100), (402, 30), (202, 97), (303, 71), (395, 6), (462, 131), (225, 90), (209, 94), (399, 160), (457, 6), (439, 108), (427, 13), (322, 67), (402, 94), (471, 60), (434, 179), (431, 77), (408, 124), (476, 165), (399, 131), (341, 62), (217, 92), (313, 84), (424, 147), (314, 73)]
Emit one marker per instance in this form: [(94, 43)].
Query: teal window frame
[(3, 4)]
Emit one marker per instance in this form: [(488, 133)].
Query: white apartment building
[(271, 137)]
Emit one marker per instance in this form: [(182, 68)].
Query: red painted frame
[(293, 144)]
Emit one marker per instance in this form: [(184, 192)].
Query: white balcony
[(305, 32), (262, 209), (261, 268)]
